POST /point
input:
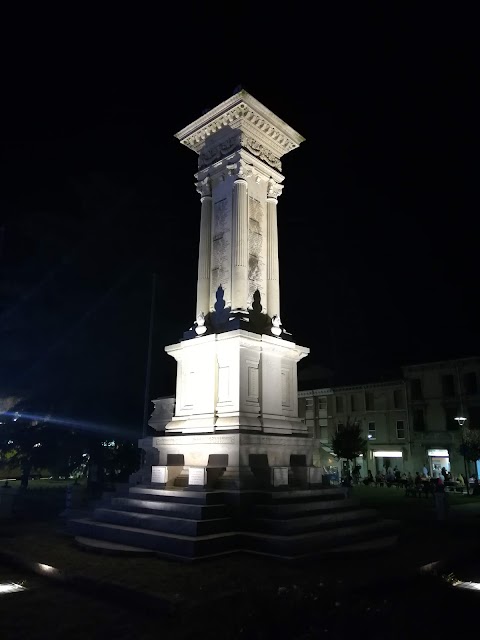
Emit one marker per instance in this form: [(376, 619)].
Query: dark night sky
[(378, 222)]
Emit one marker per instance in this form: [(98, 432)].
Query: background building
[(437, 393), (379, 408)]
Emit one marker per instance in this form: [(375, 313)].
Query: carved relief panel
[(221, 248), (256, 262)]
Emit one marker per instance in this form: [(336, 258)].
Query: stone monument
[(236, 394), (231, 469)]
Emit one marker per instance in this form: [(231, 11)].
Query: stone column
[(205, 248), (273, 285), (240, 243)]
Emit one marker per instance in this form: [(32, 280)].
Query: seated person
[(418, 479), (390, 477)]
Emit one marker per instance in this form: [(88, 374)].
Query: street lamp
[(461, 420)]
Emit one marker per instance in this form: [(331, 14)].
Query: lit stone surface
[(280, 476), (239, 376), (159, 474), (197, 476), (314, 475), (239, 146)]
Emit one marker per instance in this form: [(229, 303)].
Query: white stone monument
[(236, 395)]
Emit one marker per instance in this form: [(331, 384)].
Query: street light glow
[(10, 587)]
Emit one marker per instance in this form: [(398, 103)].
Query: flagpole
[(149, 357)]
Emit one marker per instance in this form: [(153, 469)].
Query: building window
[(339, 401), (309, 404), (369, 401), (470, 383), (372, 434), (416, 388), (322, 403), (448, 385), (398, 399), (340, 427), (400, 429), (353, 403), (450, 415), (473, 418), (418, 420)]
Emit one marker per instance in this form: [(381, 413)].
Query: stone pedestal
[(249, 458), (236, 381)]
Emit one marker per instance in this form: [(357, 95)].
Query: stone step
[(375, 544), (305, 495), (315, 522), (161, 542), (180, 526), (174, 509), (294, 509), (177, 495), (305, 544), (110, 547)]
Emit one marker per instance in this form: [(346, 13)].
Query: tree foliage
[(470, 447), (349, 443), (25, 445)]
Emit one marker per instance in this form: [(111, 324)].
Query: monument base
[(234, 460), (187, 524)]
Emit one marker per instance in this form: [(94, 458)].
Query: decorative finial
[(200, 329), (276, 326)]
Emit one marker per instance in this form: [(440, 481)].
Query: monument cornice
[(240, 155), (263, 133)]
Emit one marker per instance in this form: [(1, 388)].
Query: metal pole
[(149, 357), (461, 427)]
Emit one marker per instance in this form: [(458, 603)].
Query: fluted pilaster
[(273, 284), (240, 244), (205, 249)]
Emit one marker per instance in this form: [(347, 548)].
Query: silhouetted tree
[(349, 443), (470, 447)]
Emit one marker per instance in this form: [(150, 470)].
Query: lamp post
[(461, 421)]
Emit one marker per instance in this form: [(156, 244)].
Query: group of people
[(388, 477)]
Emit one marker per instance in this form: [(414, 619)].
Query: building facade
[(439, 392), (409, 423), (379, 408)]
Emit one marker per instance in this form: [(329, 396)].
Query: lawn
[(45, 483), (392, 502)]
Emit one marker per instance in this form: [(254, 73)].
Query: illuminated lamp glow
[(438, 453), (10, 587), (46, 568), (468, 585), (461, 420), (370, 436), (387, 454)]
